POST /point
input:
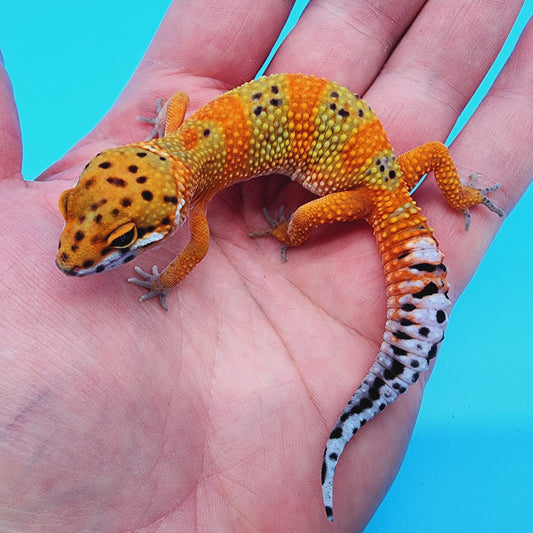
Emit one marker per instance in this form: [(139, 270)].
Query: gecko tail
[(394, 369)]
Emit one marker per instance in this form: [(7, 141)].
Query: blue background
[(469, 466)]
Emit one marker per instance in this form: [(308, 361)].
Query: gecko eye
[(123, 236)]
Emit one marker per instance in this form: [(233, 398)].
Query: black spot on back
[(141, 179), (406, 322), (105, 164), (441, 316), (133, 169), (258, 110), (147, 195), (408, 307)]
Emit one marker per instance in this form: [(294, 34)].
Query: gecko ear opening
[(63, 200), (123, 236)]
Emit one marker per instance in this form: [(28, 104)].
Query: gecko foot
[(485, 201), (275, 227), (147, 284), (158, 121)]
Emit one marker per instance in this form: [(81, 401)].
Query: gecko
[(330, 141)]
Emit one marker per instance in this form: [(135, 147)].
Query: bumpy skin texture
[(327, 139)]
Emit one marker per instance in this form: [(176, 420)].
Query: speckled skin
[(325, 138)]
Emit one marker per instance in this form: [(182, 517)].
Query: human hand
[(117, 416)]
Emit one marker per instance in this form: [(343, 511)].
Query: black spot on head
[(141, 154), (81, 218), (382, 406), (433, 351), (147, 195), (428, 290), (415, 363), (334, 94), (258, 110), (133, 169), (333, 106), (336, 433), (275, 102), (256, 96), (344, 113), (129, 258), (382, 168), (125, 202), (115, 212), (333, 456), (79, 236), (329, 511), (165, 221), (100, 268), (406, 322), (398, 351), (408, 307), (354, 431), (361, 113), (441, 316), (117, 182), (274, 89), (88, 264), (415, 377), (74, 247), (424, 331), (363, 422), (94, 207), (392, 174), (105, 164), (89, 183), (207, 132), (141, 179), (162, 158), (171, 199)]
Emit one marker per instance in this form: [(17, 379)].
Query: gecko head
[(126, 201)]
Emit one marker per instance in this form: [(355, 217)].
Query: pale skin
[(115, 415)]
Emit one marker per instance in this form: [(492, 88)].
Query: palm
[(219, 410)]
